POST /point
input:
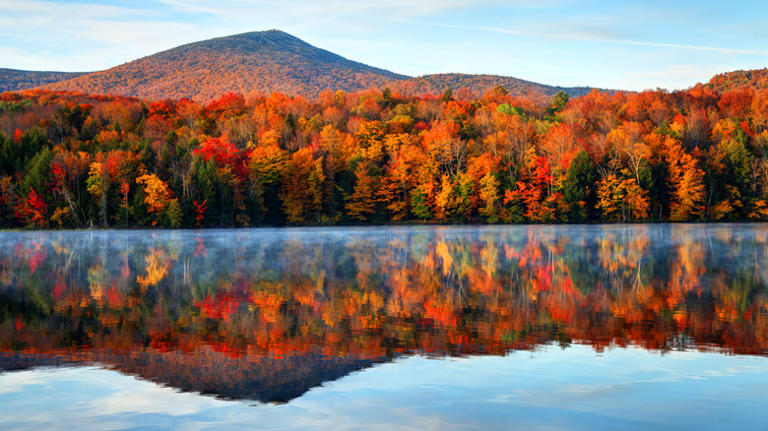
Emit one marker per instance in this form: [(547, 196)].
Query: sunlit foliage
[(73, 160)]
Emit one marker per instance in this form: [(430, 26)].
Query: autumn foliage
[(74, 160)]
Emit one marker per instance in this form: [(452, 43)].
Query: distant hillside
[(268, 61), (476, 85), (13, 80), (756, 79)]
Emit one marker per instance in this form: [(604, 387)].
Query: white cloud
[(18, 380), (86, 36)]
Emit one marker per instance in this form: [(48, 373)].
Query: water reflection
[(267, 314)]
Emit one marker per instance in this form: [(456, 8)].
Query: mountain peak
[(258, 61), (272, 34), (251, 42)]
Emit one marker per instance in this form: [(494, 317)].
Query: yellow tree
[(445, 201), (686, 182), (628, 141), (489, 195), (98, 187), (158, 196), (622, 199)]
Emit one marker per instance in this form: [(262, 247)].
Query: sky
[(631, 45)]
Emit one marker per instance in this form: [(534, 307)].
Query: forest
[(71, 160)]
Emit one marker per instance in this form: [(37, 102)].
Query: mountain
[(757, 79), (268, 61), (263, 62), (13, 80), (476, 85)]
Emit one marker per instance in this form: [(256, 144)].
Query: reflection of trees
[(373, 293)]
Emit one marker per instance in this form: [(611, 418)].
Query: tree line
[(70, 160)]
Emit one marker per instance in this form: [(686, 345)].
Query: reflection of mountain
[(265, 379)]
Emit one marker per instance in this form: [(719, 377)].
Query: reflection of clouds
[(573, 388), (511, 396), (18, 380), (145, 399), (584, 390), (92, 398)]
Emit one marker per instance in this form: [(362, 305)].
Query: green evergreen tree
[(578, 187)]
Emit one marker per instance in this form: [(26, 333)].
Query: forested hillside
[(755, 79), (467, 86), (12, 79), (73, 160)]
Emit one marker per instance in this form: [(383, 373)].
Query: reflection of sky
[(552, 388)]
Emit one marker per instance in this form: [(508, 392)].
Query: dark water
[(551, 327)]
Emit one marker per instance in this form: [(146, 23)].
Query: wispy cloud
[(586, 36), (315, 11), (87, 36)]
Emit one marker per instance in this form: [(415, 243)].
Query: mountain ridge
[(15, 79), (476, 84)]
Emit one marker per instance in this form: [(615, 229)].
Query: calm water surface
[(544, 327)]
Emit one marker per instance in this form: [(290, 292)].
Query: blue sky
[(614, 44)]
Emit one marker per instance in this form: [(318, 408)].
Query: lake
[(466, 327)]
